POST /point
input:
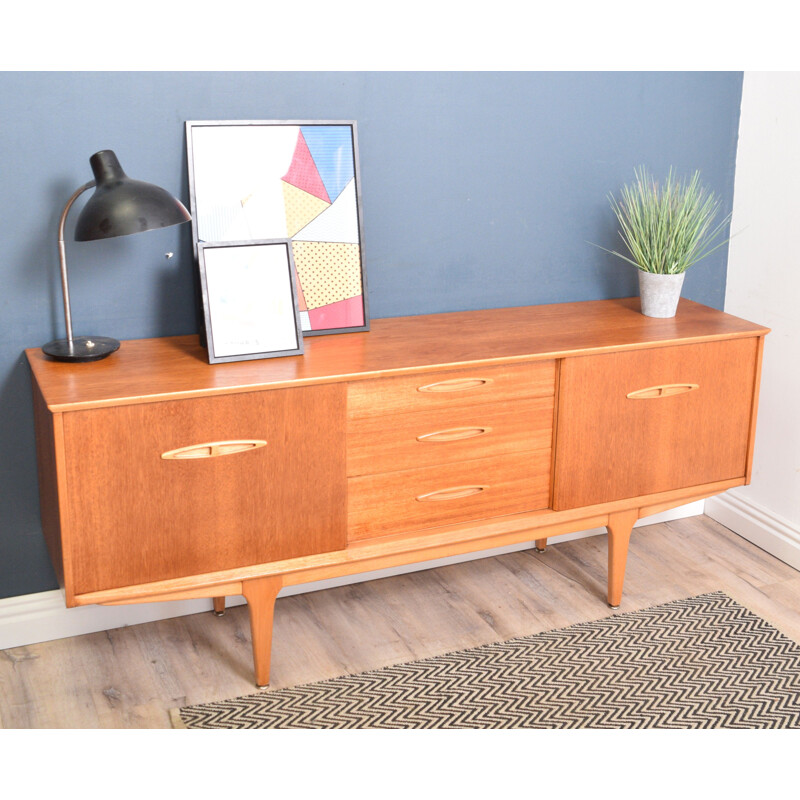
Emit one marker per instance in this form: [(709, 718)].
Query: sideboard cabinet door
[(646, 421), (177, 488)]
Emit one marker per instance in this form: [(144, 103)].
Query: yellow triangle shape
[(301, 207), (328, 271)]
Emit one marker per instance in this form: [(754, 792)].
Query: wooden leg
[(219, 606), (260, 594), (541, 544), (619, 528)]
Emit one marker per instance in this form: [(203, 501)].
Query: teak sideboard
[(164, 477)]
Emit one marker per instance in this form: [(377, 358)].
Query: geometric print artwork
[(303, 172), (702, 662), (328, 271), (347, 313), (337, 222), (296, 181), (301, 208), (332, 149)]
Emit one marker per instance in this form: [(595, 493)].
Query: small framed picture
[(271, 179), (249, 300)]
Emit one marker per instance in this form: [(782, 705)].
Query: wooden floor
[(131, 677)]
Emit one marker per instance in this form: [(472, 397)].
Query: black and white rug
[(702, 662)]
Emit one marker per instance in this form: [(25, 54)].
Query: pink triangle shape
[(303, 172), (342, 314)]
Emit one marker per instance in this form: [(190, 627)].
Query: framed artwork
[(249, 300), (291, 180)]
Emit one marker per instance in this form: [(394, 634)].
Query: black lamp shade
[(120, 205)]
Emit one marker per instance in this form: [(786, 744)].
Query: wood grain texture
[(410, 547), (619, 526), (388, 503), (611, 446), (260, 595), (404, 394), (557, 405), (404, 441), (152, 370), (48, 451), (751, 442), (143, 518), (196, 593), (136, 526)]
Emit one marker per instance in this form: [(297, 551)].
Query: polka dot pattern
[(329, 271)]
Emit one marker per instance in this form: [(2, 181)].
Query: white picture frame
[(249, 300)]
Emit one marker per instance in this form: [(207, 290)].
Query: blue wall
[(479, 190)]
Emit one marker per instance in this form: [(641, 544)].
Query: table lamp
[(118, 207)]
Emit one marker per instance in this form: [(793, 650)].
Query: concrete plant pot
[(660, 293)]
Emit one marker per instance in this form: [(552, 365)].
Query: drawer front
[(460, 388), (165, 490), (432, 496), (445, 436), (649, 421)]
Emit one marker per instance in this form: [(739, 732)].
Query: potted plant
[(666, 228)]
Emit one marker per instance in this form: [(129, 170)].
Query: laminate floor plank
[(130, 677), (734, 553), (508, 604), (303, 648), (417, 610), (348, 632)]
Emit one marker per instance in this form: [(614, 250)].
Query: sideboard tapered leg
[(219, 606), (619, 526), (260, 594), (541, 544)]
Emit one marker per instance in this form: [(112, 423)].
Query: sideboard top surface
[(150, 370)]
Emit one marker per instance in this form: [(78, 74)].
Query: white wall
[(764, 286)]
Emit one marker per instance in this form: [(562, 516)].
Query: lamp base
[(81, 348)]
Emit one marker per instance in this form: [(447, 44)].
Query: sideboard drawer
[(466, 387), (430, 496), (647, 421), (183, 487), (444, 436)]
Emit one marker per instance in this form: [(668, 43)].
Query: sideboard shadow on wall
[(405, 444)]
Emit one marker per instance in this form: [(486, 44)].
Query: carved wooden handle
[(455, 385), (665, 390), (453, 434), (213, 449), (453, 493)]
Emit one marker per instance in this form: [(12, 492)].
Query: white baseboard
[(42, 617), (758, 525)]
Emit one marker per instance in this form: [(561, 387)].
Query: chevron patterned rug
[(703, 662)]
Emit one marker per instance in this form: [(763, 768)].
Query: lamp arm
[(62, 256)]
